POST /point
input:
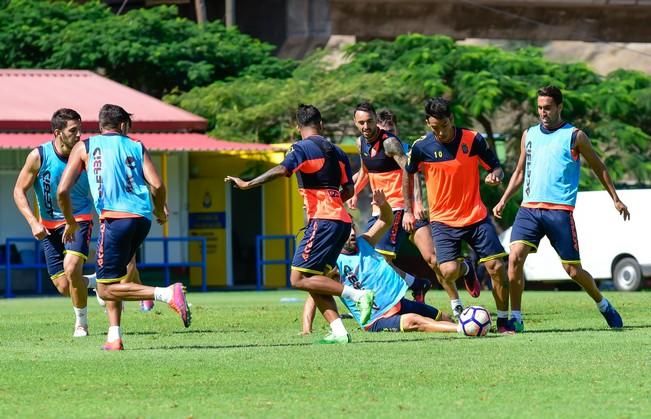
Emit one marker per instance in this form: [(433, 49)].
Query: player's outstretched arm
[(361, 180), (24, 183), (271, 174), (375, 233), (516, 180), (584, 148)]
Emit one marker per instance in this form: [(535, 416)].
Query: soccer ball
[(475, 321)]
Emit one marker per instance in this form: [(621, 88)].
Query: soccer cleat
[(80, 331), (365, 306), (470, 279), (419, 288), (146, 305), (503, 327), (331, 338), (179, 304), (612, 317), (515, 325), (456, 312), (116, 345)]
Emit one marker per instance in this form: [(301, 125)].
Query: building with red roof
[(193, 166)]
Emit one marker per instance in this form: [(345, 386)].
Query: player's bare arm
[(383, 223), (271, 174), (156, 188), (516, 179), (584, 147), (24, 183), (408, 218), (393, 148), (76, 162)]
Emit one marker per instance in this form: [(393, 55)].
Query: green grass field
[(243, 357)]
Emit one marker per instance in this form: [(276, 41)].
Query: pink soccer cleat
[(179, 303), (116, 345)]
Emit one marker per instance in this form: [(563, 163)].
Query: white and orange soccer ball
[(475, 321)]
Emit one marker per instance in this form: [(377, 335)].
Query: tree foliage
[(493, 90), (153, 50)]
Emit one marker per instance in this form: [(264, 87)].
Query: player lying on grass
[(361, 267)]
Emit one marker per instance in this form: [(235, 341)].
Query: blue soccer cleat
[(612, 317)]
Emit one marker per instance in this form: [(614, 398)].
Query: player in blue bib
[(361, 267), (123, 180), (43, 169), (549, 168)]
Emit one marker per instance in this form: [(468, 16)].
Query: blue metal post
[(39, 273), (204, 256), (8, 293), (258, 262), (166, 260)]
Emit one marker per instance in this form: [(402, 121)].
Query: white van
[(610, 247)]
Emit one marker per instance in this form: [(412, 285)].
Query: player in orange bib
[(449, 158)]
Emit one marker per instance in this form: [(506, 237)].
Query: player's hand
[(498, 209), (495, 177), (622, 209), (239, 183), (161, 215), (379, 198), (352, 202), (39, 231), (69, 232), (408, 221), (422, 214)]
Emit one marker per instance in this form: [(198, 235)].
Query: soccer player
[(361, 267), (122, 181), (321, 169), (449, 158), (549, 165), (383, 158), (42, 171)]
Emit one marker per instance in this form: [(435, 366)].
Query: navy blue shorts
[(390, 243), (531, 224), (480, 236), (320, 247), (394, 324), (55, 249), (119, 238)]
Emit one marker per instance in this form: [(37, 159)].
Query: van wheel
[(627, 275)]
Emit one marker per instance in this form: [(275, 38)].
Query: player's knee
[(516, 259), (410, 323), (296, 279), (493, 267), (449, 271), (572, 270), (62, 286)]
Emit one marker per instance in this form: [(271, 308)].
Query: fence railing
[(39, 264), (261, 262)]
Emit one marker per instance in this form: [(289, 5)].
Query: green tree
[(153, 50)]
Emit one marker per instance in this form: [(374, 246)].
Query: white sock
[(352, 293), (92, 280), (502, 314), (409, 279), (516, 314), (602, 305), (81, 316), (338, 328), (113, 334), (455, 303), (163, 294)]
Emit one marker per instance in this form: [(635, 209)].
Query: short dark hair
[(111, 116), (364, 107), (438, 108), (308, 116), (552, 92), (385, 116), (61, 117)]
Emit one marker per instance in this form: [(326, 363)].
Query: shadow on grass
[(588, 329)]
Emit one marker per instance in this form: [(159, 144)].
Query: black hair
[(364, 107), (385, 116), (61, 117), (112, 116), (438, 108), (308, 116), (552, 92)]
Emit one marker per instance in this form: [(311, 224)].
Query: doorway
[(245, 224)]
